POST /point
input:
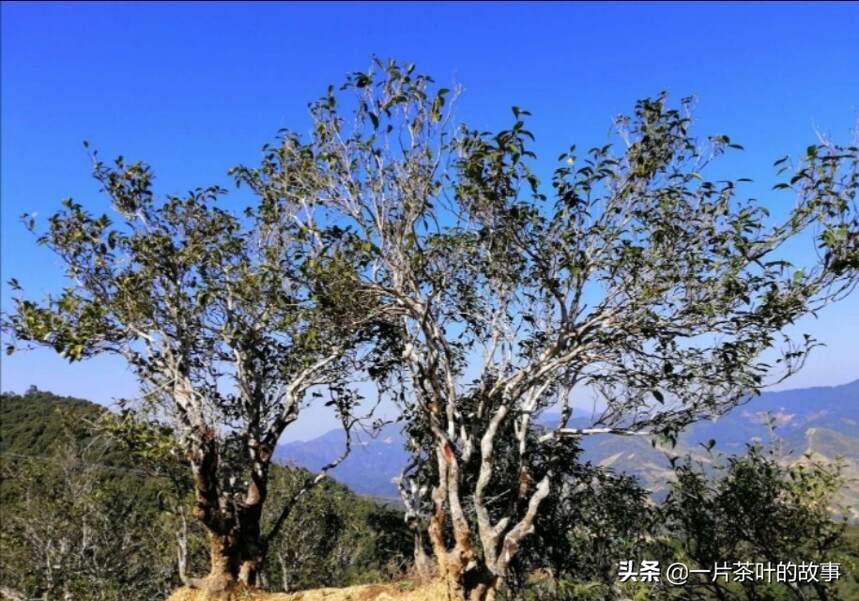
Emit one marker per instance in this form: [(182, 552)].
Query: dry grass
[(433, 591)]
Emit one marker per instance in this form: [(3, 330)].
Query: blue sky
[(195, 88)]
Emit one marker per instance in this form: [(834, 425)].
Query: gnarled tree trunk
[(223, 564), (469, 574), (463, 572), (466, 576), (423, 564), (252, 546), (235, 557), (236, 547)]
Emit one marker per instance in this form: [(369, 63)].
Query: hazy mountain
[(369, 469), (820, 421), (814, 424), (791, 411)]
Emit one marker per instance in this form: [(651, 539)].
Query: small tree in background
[(655, 288), (72, 530), (231, 323), (758, 510)]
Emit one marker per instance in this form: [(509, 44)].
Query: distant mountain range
[(818, 424), (821, 423)]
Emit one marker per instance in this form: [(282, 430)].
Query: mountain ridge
[(830, 414)]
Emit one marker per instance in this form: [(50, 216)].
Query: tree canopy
[(632, 275), (231, 321), (395, 241)]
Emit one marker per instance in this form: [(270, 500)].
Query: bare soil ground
[(367, 592)]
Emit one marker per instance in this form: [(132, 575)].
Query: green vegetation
[(757, 511), (752, 509), (83, 517), (635, 271), (394, 247)]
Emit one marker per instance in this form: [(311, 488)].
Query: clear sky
[(195, 88)]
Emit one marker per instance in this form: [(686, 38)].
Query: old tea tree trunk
[(227, 322), (641, 281)]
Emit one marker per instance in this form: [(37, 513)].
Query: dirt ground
[(367, 592)]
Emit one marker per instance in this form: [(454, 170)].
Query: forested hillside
[(86, 518)]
